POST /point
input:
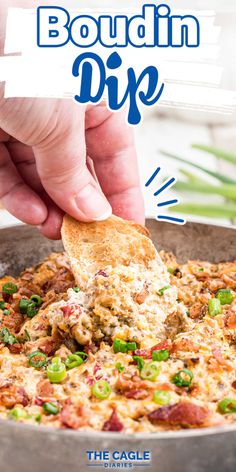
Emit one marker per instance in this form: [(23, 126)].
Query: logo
[(118, 459)]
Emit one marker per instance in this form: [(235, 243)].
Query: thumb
[(61, 165)]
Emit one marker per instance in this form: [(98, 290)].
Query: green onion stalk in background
[(224, 186)]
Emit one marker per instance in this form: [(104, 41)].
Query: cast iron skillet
[(25, 448)]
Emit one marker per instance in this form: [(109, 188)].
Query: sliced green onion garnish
[(119, 346), (163, 289), (51, 408), (150, 371), (56, 371), (38, 418), (162, 397), (119, 367), (227, 406), (2, 305), (225, 296), (73, 361), (37, 300), (214, 307), (32, 310), (101, 389), (9, 288), (27, 335), (131, 346), (200, 269), (140, 361), (81, 354), (7, 337), (160, 355), (17, 414), (183, 378), (23, 305), (76, 289), (171, 270), (37, 359), (6, 312)]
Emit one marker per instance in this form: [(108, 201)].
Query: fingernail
[(93, 204)]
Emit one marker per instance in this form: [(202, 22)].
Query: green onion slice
[(120, 367), (37, 359), (214, 307), (139, 361), (76, 289), (23, 305), (7, 337), (32, 310), (163, 289), (6, 312), (131, 346), (101, 389), (17, 414), (73, 361), (81, 354), (119, 346), (150, 371), (227, 406), (2, 305), (160, 355), (9, 288), (162, 397), (51, 408), (183, 378), (36, 299), (225, 296), (56, 371)]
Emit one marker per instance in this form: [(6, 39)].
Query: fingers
[(61, 165), (110, 144), (16, 196)]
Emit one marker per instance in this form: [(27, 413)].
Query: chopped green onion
[(81, 354), (161, 355), (9, 288), (140, 362), (163, 289), (32, 310), (183, 378), (37, 300), (27, 335), (131, 346), (6, 312), (76, 289), (37, 359), (56, 371), (101, 389), (119, 367), (23, 305), (162, 397), (150, 371), (38, 418), (2, 305), (201, 269), (171, 270), (227, 406), (7, 337), (214, 306), (51, 408), (73, 361), (17, 414), (225, 296), (119, 346)]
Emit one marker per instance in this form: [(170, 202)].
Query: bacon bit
[(137, 394), (230, 319), (69, 310), (39, 401), (101, 272), (220, 359), (16, 348), (134, 383), (50, 345), (44, 388), (141, 296), (230, 280), (234, 384), (113, 424), (11, 395), (71, 417), (147, 353), (90, 348), (13, 322), (197, 311), (182, 414), (185, 345)]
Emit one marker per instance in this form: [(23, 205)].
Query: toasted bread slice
[(113, 242)]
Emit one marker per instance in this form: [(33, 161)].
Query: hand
[(44, 168)]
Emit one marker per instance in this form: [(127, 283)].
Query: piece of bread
[(111, 242)]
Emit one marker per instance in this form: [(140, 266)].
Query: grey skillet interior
[(38, 449)]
